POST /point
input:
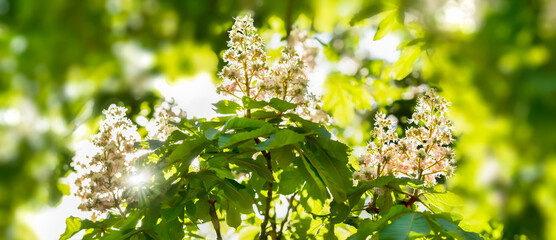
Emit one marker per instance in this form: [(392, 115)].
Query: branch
[(117, 202), (283, 224), (214, 219), (268, 200)]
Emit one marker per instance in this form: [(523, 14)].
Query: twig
[(117, 202), (287, 215), (214, 219), (268, 201)]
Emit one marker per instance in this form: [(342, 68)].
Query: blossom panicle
[(424, 153)]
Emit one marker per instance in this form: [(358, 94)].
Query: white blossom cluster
[(288, 80), (103, 175), (246, 69), (424, 152), (160, 128), (305, 45), (248, 74)]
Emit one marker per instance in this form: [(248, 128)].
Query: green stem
[(283, 224), (117, 202), (268, 200), (214, 219)]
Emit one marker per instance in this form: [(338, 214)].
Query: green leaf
[(64, 188), (343, 95), (249, 103), (404, 65), (226, 140), (176, 136), (239, 196), (392, 181), (152, 234), (149, 144), (73, 225), (308, 126), (279, 139), (368, 227), (188, 150), (211, 133), (444, 202), (354, 195), (406, 227), (254, 166), (226, 107), (281, 105), (455, 231), (244, 123), (387, 24), (283, 156), (314, 181), (329, 159), (200, 209), (262, 114), (175, 229), (290, 181), (385, 201), (366, 12), (152, 213), (233, 216), (339, 212)]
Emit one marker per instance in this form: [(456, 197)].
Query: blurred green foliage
[(62, 62)]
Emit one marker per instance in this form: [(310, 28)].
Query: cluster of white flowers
[(288, 80), (312, 111), (103, 174), (424, 152), (248, 74), (246, 69), (305, 45), (160, 128)]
